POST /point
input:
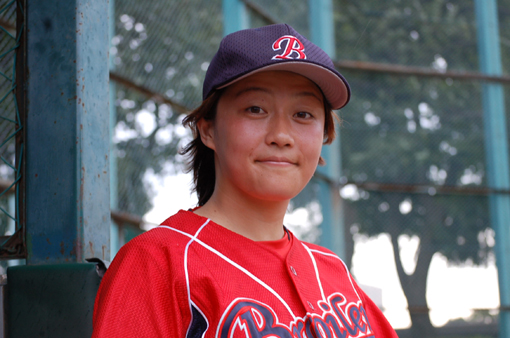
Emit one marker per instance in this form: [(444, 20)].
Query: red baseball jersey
[(190, 277)]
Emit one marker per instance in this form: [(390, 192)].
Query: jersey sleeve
[(138, 297), (378, 322)]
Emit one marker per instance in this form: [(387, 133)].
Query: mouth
[(277, 161)]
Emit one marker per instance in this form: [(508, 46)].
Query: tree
[(164, 46), (411, 130), (405, 130)]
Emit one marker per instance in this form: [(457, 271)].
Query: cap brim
[(333, 85)]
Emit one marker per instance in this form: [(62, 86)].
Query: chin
[(276, 195)]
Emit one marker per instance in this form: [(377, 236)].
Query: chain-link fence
[(414, 176), (11, 146), (414, 162), (412, 141), (164, 47)]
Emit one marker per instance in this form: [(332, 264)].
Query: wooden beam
[(147, 92), (418, 71)]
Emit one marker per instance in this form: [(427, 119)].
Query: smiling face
[(267, 136)]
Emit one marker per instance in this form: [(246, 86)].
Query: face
[(267, 136)]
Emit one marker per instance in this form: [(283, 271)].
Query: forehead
[(276, 82)]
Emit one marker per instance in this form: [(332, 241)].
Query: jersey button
[(293, 270)]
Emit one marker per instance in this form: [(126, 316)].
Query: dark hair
[(201, 158)]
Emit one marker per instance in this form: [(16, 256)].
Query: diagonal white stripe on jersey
[(345, 266), (316, 271), (228, 260)]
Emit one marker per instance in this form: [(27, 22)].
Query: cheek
[(311, 143), (237, 140), (313, 153)]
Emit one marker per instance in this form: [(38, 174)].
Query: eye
[(255, 110), (303, 115)]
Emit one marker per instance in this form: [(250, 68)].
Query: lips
[(276, 160)]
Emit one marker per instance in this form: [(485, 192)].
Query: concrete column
[(496, 148), (67, 131), (235, 16), (323, 35)]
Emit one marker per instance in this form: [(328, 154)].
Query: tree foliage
[(165, 46), (396, 130), (412, 130)]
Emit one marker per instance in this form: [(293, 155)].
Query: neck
[(254, 219)]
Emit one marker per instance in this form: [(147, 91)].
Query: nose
[(280, 131)]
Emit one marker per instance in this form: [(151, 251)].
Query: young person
[(230, 268)]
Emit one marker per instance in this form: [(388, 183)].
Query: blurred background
[(416, 197)]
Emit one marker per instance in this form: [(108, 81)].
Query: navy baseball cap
[(275, 47)]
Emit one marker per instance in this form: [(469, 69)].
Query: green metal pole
[(114, 188), (67, 133), (322, 34), (496, 148), (11, 228), (235, 16)]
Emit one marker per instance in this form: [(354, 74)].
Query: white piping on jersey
[(203, 315), (316, 271), (228, 260), (345, 266), (186, 273)]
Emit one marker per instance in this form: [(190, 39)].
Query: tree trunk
[(349, 218), (415, 286)]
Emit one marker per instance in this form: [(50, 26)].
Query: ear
[(206, 130)]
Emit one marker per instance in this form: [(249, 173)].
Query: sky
[(451, 291)]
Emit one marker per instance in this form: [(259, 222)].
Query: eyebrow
[(308, 93), (264, 90), (256, 89)]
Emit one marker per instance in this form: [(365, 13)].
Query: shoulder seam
[(344, 265)]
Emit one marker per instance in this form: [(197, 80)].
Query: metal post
[(67, 131), (114, 228), (11, 228), (322, 34), (235, 16), (496, 148)]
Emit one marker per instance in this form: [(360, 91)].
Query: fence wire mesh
[(167, 45), (411, 130), (11, 149), (420, 133), (403, 138), (164, 46), (265, 12), (440, 34), (408, 134)]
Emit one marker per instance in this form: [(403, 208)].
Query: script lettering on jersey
[(293, 50), (248, 318)]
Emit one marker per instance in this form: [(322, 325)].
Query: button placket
[(306, 283)]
